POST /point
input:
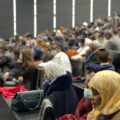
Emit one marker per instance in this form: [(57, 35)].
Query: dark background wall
[(116, 5), (64, 13), (24, 16), (100, 8), (45, 14), (82, 11), (6, 18)]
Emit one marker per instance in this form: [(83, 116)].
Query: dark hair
[(81, 38), (103, 55)]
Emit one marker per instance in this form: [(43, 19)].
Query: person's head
[(105, 86), (96, 35), (56, 48), (81, 40), (22, 40), (72, 42), (107, 35), (28, 36), (53, 70), (26, 57), (103, 55)]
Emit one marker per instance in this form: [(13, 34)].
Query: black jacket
[(62, 95)]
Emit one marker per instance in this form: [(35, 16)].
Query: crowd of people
[(56, 52)]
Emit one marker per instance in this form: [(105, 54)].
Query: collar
[(104, 63)]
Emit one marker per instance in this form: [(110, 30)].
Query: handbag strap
[(37, 105)]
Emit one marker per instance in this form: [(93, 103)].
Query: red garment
[(83, 108), (9, 92), (67, 117)]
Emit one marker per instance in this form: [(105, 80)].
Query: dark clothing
[(29, 75), (115, 55), (97, 67), (6, 64), (83, 108), (30, 78), (37, 54), (1, 82), (62, 95)]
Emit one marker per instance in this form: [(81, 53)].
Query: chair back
[(47, 111)]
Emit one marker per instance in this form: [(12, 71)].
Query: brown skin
[(96, 98)]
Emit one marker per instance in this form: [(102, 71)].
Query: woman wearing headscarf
[(105, 87), (59, 89)]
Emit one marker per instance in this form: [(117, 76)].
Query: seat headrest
[(47, 110)]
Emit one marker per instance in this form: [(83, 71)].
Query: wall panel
[(82, 11), (24, 16), (6, 18), (45, 15), (100, 9), (64, 13)]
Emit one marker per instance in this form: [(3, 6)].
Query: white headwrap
[(53, 70)]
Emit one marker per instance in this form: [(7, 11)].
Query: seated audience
[(26, 72), (103, 59), (82, 51)]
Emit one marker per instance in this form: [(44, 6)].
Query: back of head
[(103, 55), (26, 56), (53, 70), (107, 84), (108, 34), (81, 39)]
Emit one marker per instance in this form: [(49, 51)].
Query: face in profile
[(96, 98)]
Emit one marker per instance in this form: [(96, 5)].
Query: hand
[(20, 78), (6, 75)]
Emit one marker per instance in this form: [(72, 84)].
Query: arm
[(90, 64)]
